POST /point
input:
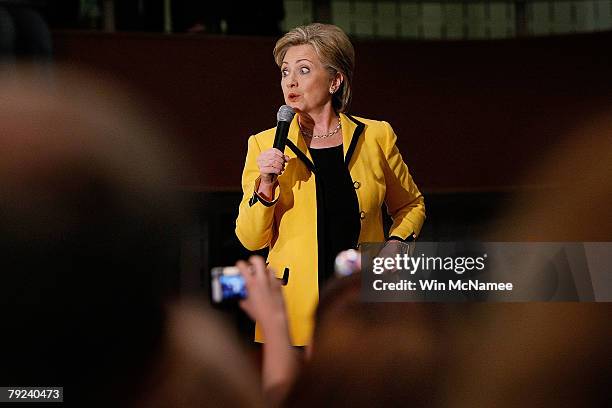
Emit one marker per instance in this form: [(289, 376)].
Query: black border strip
[(301, 156), (358, 131)]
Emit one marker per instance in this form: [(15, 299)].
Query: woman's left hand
[(394, 247)]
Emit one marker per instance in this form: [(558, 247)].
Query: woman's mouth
[(293, 96)]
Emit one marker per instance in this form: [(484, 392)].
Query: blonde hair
[(333, 48)]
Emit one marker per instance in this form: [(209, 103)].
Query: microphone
[(284, 117)]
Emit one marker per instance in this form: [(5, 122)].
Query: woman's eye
[(304, 70), (284, 73)]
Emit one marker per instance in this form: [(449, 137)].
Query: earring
[(332, 90)]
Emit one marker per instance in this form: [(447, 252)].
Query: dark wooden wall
[(470, 115)]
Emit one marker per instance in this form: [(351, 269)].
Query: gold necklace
[(326, 135)]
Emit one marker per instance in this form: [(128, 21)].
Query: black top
[(338, 222)]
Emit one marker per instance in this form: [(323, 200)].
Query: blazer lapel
[(296, 143), (351, 131)]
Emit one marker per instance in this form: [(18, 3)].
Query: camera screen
[(232, 287)]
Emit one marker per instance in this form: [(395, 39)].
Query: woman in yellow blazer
[(325, 192)]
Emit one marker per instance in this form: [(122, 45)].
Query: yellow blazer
[(288, 225)]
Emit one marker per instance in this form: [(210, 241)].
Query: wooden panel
[(470, 115)]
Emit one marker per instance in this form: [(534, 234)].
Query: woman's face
[(304, 79)]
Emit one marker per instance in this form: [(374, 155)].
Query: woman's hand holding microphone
[(271, 164)]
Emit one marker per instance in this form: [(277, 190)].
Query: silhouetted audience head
[(546, 354), (89, 236), (372, 354), (532, 354)]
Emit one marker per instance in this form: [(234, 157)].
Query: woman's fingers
[(272, 161), (273, 153)]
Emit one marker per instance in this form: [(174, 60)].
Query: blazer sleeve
[(404, 201), (254, 225)]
